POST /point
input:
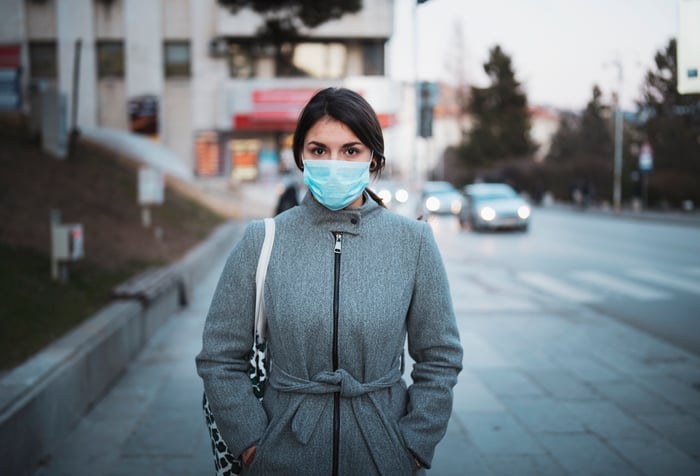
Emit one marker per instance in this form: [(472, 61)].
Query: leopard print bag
[(227, 464)]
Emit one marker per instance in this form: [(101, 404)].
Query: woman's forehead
[(329, 131)]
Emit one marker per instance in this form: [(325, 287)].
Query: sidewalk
[(547, 389)]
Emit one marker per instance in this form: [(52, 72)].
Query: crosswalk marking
[(554, 286), (620, 286), (666, 280)]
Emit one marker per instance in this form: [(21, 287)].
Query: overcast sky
[(559, 48)]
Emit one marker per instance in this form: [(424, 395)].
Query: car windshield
[(492, 193)]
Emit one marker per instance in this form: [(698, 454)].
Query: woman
[(348, 281)]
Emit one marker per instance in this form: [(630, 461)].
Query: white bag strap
[(260, 321)]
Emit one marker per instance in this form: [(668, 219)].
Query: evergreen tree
[(673, 130), (500, 112), (596, 137)]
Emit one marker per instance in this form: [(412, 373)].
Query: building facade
[(190, 74)]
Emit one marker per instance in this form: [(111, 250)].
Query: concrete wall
[(12, 22), (143, 47), (41, 20)]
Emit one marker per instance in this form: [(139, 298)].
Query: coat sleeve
[(226, 343), (434, 345)]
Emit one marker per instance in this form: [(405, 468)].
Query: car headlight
[(385, 195), (401, 195), (432, 204), (456, 206), (524, 212), (487, 213)]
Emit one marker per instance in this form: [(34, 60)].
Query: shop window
[(177, 58), (110, 59), (42, 59), (240, 60), (373, 58)]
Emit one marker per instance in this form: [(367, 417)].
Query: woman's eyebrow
[(316, 143), (344, 146)]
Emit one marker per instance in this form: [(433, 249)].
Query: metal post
[(617, 168), (617, 192), (76, 94), (414, 152), (54, 220)]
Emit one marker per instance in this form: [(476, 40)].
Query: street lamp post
[(617, 167)]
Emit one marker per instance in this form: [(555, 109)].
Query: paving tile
[(471, 395), (562, 385), (456, 455), (634, 398), (524, 465), (585, 455), (656, 457), (544, 415), (510, 382), (499, 434), (478, 353), (607, 421), (675, 391), (681, 430), (589, 369)]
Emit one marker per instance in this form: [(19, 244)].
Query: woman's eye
[(317, 151), (352, 152)]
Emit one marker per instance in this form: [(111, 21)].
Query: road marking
[(620, 286), (666, 280), (553, 286)]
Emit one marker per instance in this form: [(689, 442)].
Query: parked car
[(491, 206), (440, 198)]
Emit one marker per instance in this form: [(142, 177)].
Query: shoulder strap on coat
[(261, 272)]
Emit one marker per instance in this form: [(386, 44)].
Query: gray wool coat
[(391, 286)]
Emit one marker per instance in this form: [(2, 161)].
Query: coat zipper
[(336, 396)]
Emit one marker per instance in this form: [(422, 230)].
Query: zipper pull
[(338, 241)]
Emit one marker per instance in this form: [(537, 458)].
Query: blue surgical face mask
[(336, 183)]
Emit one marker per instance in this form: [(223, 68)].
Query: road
[(644, 273)]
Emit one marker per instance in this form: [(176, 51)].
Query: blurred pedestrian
[(348, 284), (288, 198)]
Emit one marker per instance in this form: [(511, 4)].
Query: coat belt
[(368, 414)]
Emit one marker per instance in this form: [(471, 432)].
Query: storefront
[(263, 117)]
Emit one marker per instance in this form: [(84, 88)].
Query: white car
[(491, 206), (440, 198)]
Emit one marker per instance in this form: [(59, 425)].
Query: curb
[(43, 399)]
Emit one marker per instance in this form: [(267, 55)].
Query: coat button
[(353, 221)]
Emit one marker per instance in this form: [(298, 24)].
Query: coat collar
[(347, 220)]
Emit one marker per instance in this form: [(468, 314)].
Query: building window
[(177, 59), (316, 60), (373, 58), (240, 60), (42, 59), (110, 59)]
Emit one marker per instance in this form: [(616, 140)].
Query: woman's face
[(330, 139)]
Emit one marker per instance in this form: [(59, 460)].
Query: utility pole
[(617, 168), (414, 153)]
